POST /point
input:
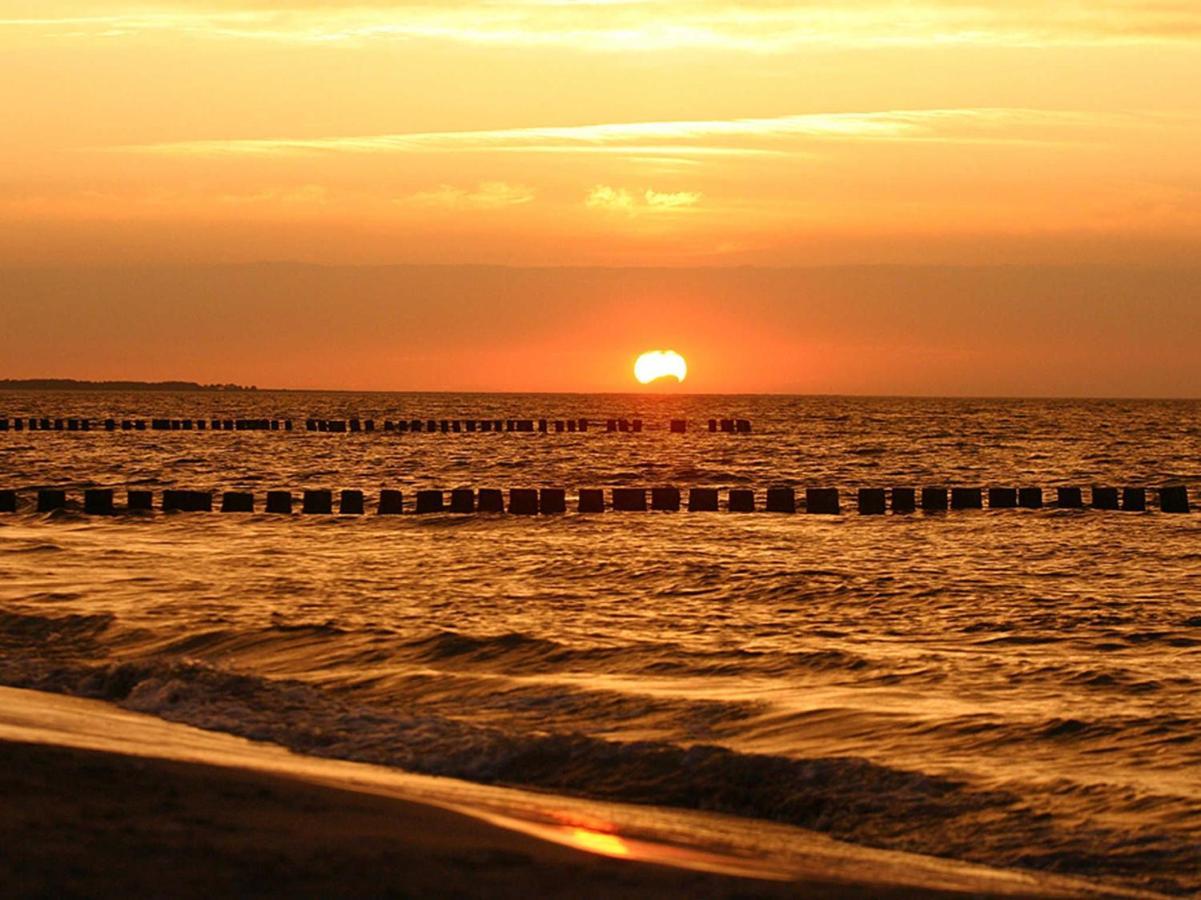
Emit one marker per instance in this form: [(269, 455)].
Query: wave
[(511, 653), (521, 680), (73, 629), (442, 707), (849, 798), (524, 653)]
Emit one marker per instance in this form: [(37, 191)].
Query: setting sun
[(656, 364)]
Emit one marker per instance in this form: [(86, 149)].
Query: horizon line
[(597, 393)]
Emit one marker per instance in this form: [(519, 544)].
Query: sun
[(656, 364)]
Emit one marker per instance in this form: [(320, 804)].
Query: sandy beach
[(90, 824), (100, 802)]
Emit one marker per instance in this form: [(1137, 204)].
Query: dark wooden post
[(391, 503), (934, 499), (781, 500), (491, 500), (462, 500), (429, 502), (629, 499), (873, 501), (591, 500), (552, 501), (1030, 498), (317, 503), (1069, 498), (967, 498), (1002, 498), (904, 500), (98, 502), (139, 501), (741, 500), (665, 499), (523, 502)]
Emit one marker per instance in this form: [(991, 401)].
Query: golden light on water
[(656, 364), (599, 842)]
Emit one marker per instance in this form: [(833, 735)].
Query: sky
[(975, 153)]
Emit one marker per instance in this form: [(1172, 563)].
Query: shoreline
[(78, 823), (103, 802)]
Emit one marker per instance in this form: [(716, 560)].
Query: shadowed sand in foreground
[(93, 824), (100, 802)]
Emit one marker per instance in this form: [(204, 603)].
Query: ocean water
[(1017, 688)]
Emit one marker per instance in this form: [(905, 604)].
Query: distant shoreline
[(71, 384)]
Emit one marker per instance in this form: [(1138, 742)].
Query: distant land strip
[(71, 384)]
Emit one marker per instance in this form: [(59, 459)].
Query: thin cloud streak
[(764, 27), (731, 136)]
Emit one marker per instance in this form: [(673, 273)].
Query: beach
[(81, 823), (100, 802)]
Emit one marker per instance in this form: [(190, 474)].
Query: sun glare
[(656, 364)]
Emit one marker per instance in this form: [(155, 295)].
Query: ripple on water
[(1015, 688)]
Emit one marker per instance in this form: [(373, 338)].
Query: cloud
[(678, 200), (628, 25), (604, 197), (782, 135), (485, 195)]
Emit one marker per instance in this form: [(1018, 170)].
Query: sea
[(1019, 688)]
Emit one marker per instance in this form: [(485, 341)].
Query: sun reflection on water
[(598, 842)]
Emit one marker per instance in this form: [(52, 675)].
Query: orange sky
[(1011, 331), (624, 133)]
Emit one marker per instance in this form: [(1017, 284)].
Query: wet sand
[(187, 813), (90, 824)]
